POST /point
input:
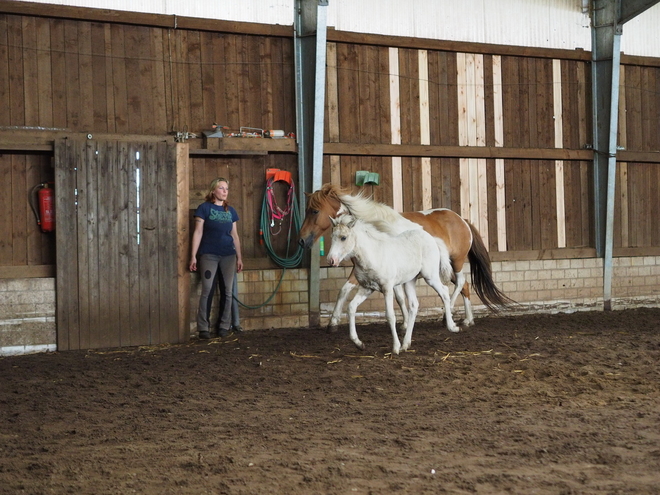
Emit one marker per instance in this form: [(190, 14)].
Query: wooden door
[(122, 243)]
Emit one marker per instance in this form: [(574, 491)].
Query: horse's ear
[(334, 221), (352, 222)]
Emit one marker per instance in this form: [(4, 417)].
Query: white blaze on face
[(340, 245)]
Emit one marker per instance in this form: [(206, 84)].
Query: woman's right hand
[(193, 265)]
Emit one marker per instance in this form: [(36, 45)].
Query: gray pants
[(212, 269)]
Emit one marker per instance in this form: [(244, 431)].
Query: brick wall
[(27, 315), (543, 285), (27, 306)]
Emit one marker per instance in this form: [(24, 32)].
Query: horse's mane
[(328, 192), (377, 229), (383, 217)]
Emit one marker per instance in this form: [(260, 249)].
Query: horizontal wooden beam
[(638, 156), (543, 254), (455, 46), (456, 151), (30, 140), (27, 271), (205, 152), (143, 19)]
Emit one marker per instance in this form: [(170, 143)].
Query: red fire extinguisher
[(45, 212)]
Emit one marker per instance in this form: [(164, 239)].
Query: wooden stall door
[(122, 242)]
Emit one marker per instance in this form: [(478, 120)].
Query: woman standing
[(217, 249)]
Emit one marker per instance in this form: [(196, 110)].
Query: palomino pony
[(383, 260), (461, 238)]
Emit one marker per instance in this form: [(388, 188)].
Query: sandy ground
[(548, 404)]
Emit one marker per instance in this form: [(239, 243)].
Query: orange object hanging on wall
[(46, 197)]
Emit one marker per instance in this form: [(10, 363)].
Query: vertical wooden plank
[(165, 207), (559, 143), (194, 68), (19, 189), (16, 76), (107, 336), (207, 81), (463, 131), (547, 196), (219, 79), (33, 176), (125, 238), (5, 119), (622, 179), (132, 43), (183, 244), (99, 76), (30, 71), (92, 241), (59, 74), (109, 78), (44, 75), (137, 330), (6, 203), (71, 79), (79, 249), (425, 128), (113, 282), (288, 85), (332, 96), (348, 98), (85, 71), (257, 93), (395, 127), (366, 96), (332, 110), (499, 163), (146, 63), (158, 82), (232, 82), (67, 318), (266, 77), (481, 198), (147, 242)]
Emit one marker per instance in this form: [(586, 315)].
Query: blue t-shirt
[(216, 237)]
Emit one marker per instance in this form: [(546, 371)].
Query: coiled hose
[(265, 227)]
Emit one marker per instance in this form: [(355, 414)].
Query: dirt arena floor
[(546, 404)]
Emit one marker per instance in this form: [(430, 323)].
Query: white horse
[(383, 261)]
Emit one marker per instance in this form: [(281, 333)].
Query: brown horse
[(462, 239)]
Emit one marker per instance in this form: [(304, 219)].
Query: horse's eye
[(343, 238), (315, 212)]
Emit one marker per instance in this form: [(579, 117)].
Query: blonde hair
[(212, 187)]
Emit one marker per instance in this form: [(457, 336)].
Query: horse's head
[(322, 205), (343, 239)]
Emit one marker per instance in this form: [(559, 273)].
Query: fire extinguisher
[(45, 211)]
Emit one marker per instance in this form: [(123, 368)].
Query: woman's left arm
[(237, 245)]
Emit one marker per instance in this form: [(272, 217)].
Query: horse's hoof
[(454, 329), (332, 328)]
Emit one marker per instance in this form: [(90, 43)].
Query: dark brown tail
[(482, 275)]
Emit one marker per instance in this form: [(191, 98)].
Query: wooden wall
[(433, 102), (638, 182), (21, 241), (500, 134), (65, 75)]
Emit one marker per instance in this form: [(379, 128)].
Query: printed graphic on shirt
[(220, 216)]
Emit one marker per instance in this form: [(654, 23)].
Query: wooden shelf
[(234, 145)]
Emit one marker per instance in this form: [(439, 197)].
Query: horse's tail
[(482, 275)]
